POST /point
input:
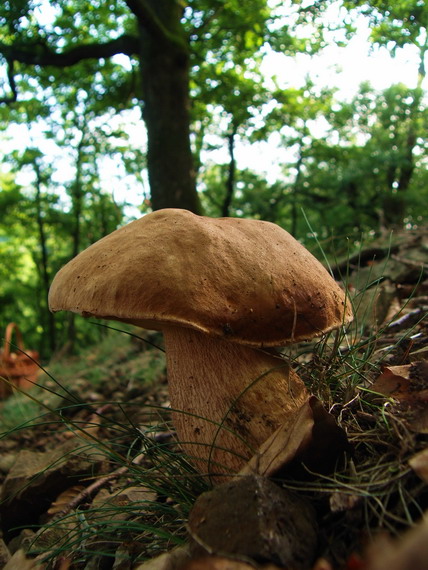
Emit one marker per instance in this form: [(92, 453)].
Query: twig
[(98, 484), (403, 321), (416, 264)]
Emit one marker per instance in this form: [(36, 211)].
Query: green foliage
[(366, 170), (395, 24), (347, 167)]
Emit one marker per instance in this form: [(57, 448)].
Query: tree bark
[(44, 269), (165, 63), (230, 182)]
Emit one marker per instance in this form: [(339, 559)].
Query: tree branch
[(41, 54), (148, 19)]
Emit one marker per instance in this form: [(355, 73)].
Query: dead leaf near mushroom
[(309, 439), (408, 387), (419, 464), (409, 552)]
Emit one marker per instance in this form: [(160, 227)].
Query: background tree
[(352, 176), (79, 75), (163, 40), (63, 206)]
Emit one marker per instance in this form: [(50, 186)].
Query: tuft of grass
[(104, 519), (374, 489), (125, 433)]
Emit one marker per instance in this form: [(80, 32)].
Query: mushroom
[(223, 291)]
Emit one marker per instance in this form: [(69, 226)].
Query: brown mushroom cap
[(246, 280)]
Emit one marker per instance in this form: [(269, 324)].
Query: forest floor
[(92, 477)]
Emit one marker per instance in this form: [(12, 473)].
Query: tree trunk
[(230, 182), (77, 195), (44, 270), (166, 109), (164, 52)]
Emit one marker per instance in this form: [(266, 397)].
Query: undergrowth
[(374, 489), (129, 440)]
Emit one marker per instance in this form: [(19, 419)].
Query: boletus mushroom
[(224, 291)]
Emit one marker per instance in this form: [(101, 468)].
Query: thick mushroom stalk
[(228, 399)]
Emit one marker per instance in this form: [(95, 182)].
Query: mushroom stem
[(227, 399)]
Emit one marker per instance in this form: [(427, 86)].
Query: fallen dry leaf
[(409, 552), (419, 464), (408, 385), (64, 499), (310, 437), (394, 381)]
